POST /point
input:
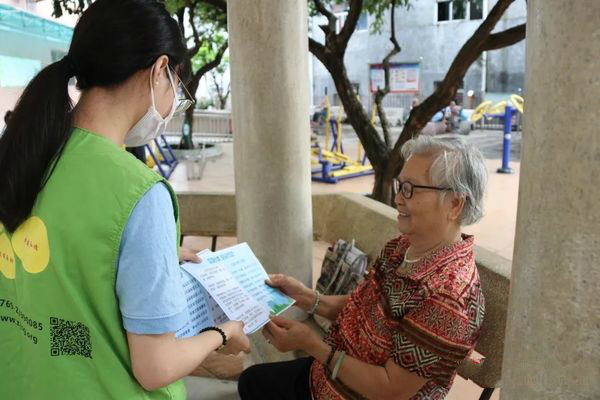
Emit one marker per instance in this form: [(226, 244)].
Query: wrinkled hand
[(237, 340), (188, 255), (305, 297), (288, 335)]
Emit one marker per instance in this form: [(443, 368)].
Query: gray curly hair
[(456, 165)]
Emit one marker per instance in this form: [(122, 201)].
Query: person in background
[(89, 237)]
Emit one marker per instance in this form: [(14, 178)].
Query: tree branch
[(192, 15), (354, 13), (381, 93), (180, 21), (505, 38), (217, 87), (215, 83), (213, 64), (331, 18), (318, 50), (369, 136)]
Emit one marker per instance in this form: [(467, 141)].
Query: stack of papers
[(229, 285)]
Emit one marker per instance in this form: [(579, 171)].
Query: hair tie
[(71, 65)]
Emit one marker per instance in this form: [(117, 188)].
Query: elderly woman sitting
[(403, 332)]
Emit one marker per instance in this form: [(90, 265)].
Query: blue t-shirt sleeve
[(149, 288)]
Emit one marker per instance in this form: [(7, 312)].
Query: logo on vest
[(29, 243), (7, 257)]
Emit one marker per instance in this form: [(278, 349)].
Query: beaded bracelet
[(216, 329), (338, 364), (316, 305)]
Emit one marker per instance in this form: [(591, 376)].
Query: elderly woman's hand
[(288, 335), (305, 297)]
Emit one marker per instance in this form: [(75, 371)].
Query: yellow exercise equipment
[(518, 102), (480, 111), (327, 117), (149, 160), (333, 163), (498, 108)]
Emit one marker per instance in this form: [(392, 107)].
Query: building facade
[(430, 34), (29, 41)]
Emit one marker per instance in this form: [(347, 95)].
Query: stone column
[(268, 41), (552, 348)]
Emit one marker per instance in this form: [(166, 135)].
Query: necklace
[(416, 260), (408, 260)]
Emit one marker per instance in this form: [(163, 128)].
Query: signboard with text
[(404, 77)]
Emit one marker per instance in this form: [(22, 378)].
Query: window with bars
[(443, 10), (476, 9), (457, 10)]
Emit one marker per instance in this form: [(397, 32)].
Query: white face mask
[(152, 124)]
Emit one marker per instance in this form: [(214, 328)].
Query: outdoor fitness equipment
[(332, 163), (480, 111), (165, 160), (518, 102), (497, 109), (504, 111)]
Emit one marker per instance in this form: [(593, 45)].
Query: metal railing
[(214, 122)]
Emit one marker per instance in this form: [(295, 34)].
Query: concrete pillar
[(552, 348), (268, 42)]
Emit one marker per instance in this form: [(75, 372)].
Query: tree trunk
[(195, 82), (381, 93), (223, 98), (187, 142), (368, 135), (375, 148), (383, 188)]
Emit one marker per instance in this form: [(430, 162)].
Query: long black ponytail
[(113, 40)]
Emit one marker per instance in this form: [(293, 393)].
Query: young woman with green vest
[(90, 285)]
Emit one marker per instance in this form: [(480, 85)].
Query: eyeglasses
[(407, 189), (184, 99)]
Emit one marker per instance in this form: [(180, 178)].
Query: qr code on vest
[(69, 338)]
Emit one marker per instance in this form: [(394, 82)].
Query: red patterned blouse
[(425, 316)]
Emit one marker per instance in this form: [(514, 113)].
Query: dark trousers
[(287, 380)]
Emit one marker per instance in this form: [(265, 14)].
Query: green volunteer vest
[(61, 335)]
